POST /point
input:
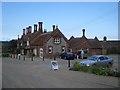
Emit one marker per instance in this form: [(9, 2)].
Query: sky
[(97, 18)]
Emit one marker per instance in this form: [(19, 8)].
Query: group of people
[(81, 54)]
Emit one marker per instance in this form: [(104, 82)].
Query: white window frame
[(63, 49), (57, 40), (35, 51), (28, 43), (50, 49), (41, 52), (21, 44)]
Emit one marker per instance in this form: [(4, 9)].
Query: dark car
[(67, 55)]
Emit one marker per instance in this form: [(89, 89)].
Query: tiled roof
[(94, 43), (74, 42), (42, 38), (110, 43)]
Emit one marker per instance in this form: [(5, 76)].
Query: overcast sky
[(97, 18)]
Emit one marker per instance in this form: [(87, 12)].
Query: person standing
[(82, 53)]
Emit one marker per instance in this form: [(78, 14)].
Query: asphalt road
[(37, 74)]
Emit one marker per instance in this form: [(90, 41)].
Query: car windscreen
[(94, 58)]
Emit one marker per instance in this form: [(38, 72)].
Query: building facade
[(42, 43), (92, 46), (48, 44)]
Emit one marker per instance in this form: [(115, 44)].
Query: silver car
[(97, 60)]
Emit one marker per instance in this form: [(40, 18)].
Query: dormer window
[(57, 40)]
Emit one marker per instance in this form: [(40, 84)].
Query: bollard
[(43, 58), (24, 57), (31, 58), (19, 57), (68, 63), (54, 58), (16, 56)]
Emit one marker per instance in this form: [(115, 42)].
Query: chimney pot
[(35, 27), (53, 27), (18, 37), (83, 32), (40, 27), (104, 38), (45, 30), (57, 26), (30, 29), (27, 30), (23, 31)]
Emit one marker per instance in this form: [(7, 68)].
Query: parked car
[(67, 55), (97, 60)]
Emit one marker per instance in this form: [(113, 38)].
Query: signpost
[(54, 65)]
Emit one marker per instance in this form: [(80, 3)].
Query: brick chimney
[(56, 26), (35, 27), (53, 27), (27, 30), (40, 27), (104, 38), (30, 29), (45, 30), (23, 31), (83, 32)]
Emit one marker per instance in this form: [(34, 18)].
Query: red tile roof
[(39, 40)]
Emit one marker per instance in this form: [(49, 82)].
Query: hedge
[(96, 70)]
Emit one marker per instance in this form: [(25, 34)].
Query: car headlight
[(87, 65)]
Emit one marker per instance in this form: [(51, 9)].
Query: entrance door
[(41, 52)]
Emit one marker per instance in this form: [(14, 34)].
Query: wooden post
[(68, 63), (54, 58), (24, 57), (43, 58), (19, 56), (31, 56)]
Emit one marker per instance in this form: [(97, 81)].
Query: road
[(37, 74)]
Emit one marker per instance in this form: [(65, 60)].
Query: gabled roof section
[(58, 33), (94, 43), (40, 39)]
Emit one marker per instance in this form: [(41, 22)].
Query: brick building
[(93, 46), (110, 46), (42, 43)]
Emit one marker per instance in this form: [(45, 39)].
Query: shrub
[(5, 55), (96, 70), (76, 66), (104, 71)]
